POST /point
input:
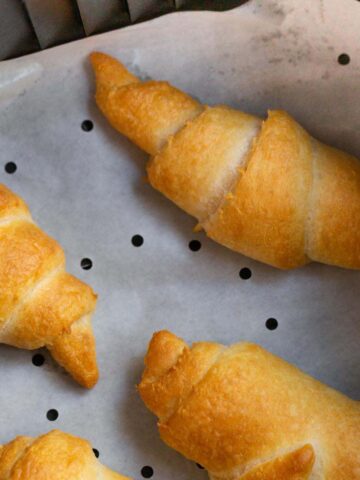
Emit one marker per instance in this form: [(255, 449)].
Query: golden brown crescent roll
[(246, 414), (53, 456), (266, 189), (41, 305)]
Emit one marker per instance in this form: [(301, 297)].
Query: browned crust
[(296, 465), (334, 237), (40, 303), (55, 455), (293, 201), (146, 112), (199, 165), (230, 409), (75, 351), (265, 217)]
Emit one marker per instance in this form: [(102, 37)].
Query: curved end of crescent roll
[(56, 455), (75, 351), (163, 352), (172, 369), (109, 72), (148, 113), (10, 452), (40, 303), (296, 465), (162, 356), (11, 204)]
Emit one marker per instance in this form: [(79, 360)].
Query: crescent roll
[(245, 414), (41, 305), (264, 188), (53, 456)]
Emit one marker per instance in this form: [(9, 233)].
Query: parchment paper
[(87, 190)]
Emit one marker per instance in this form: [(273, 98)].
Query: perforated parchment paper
[(87, 189)]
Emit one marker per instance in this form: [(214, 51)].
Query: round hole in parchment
[(87, 125), (147, 471), (86, 263), (137, 240), (194, 245), (52, 415), (38, 359), (96, 452), (245, 273), (10, 167), (344, 59), (271, 324)]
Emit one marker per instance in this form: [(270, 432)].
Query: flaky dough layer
[(55, 455), (262, 188), (41, 305), (246, 414)]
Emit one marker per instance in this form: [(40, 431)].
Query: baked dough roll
[(56, 456), (245, 414), (41, 305), (266, 189)]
